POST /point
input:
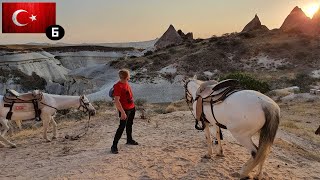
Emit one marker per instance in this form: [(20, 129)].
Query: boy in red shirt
[(123, 99)]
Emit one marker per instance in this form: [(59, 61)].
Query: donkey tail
[(267, 132)]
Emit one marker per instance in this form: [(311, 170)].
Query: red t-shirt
[(124, 91)]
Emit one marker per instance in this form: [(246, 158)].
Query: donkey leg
[(54, 126), (209, 141), (46, 121), (7, 142), (220, 151), (246, 141)]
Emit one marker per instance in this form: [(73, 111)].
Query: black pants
[(125, 124)]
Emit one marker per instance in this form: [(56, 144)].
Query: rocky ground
[(170, 148)]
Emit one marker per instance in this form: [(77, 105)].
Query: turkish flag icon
[(27, 17)]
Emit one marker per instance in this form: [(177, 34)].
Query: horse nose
[(92, 113)]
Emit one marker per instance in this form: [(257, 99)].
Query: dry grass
[(295, 149), (288, 124)]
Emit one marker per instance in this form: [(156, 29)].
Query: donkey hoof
[(207, 156), (48, 140), (54, 137), (13, 146)]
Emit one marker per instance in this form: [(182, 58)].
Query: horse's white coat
[(242, 113), (57, 101)]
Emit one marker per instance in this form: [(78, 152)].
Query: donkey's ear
[(82, 97), (195, 77)]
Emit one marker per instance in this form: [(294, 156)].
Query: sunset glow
[(311, 9)]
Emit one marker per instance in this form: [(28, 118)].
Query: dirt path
[(170, 148)]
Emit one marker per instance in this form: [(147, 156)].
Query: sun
[(311, 9)]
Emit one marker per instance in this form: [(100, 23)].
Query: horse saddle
[(219, 93), (13, 96)]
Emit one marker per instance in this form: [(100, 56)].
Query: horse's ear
[(82, 97), (195, 77), (184, 80)]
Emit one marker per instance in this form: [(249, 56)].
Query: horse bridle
[(84, 105), (187, 95)]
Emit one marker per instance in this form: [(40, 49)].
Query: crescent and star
[(16, 13)]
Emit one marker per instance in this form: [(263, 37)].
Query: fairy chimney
[(297, 21), (185, 37), (170, 37), (255, 25)]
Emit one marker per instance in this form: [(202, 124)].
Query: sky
[(101, 21)]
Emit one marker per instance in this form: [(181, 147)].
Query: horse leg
[(4, 123), (246, 141), (220, 151), (46, 121), (3, 139), (19, 124), (209, 140), (259, 174), (54, 126)]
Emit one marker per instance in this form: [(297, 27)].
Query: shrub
[(170, 109), (304, 81), (248, 82), (140, 102), (169, 77), (172, 51), (148, 53), (160, 111), (190, 45)]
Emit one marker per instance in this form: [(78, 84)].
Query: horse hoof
[(48, 140), (258, 177), (245, 178), (54, 137), (206, 156), (220, 155), (13, 146)]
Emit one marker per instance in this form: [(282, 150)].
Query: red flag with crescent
[(25, 17)]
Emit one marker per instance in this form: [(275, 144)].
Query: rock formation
[(255, 25), (170, 37), (297, 21), (186, 37), (173, 37)]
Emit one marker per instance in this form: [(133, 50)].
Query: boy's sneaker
[(132, 142), (114, 150)]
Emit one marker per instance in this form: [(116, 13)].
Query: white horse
[(244, 113), (49, 104)]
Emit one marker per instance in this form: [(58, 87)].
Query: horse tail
[(267, 132)]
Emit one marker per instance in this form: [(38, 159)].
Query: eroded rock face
[(255, 25), (170, 37), (185, 37), (297, 21)]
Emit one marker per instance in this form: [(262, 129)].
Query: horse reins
[(84, 106)]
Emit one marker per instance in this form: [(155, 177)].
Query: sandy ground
[(170, 148)]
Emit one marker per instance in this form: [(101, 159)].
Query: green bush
[(248, 82)]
